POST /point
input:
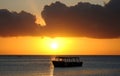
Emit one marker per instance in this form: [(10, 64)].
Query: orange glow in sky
[(54, 45), (59, 46), (29, 45), (40, 21), (35, 9)]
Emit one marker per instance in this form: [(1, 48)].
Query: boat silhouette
[(67, 62)]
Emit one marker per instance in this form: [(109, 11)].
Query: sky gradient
[(74, 33)]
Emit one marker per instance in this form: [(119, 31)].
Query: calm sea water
[(42, 66)]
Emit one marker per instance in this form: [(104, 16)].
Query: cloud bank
[(17, 24), (83, 20)]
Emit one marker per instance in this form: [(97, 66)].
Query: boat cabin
[(68, 59)]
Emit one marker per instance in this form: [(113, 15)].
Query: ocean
[(42, 66)]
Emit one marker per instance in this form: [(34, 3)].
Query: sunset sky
[(59, 27)]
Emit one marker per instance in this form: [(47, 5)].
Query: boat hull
[(66, 64)]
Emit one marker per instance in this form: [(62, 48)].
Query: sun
[(54, 45)]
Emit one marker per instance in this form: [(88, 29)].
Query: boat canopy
[(67, 58)]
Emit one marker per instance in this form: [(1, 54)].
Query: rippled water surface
[(42, 66)]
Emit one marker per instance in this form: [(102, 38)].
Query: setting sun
[(54, 45)]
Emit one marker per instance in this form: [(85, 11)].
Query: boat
[(67, 62)]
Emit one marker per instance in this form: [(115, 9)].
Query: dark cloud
[(82, 20), (17, 24)]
